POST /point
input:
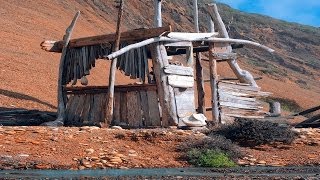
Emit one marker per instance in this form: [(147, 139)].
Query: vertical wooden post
[(195, 15), (61, 100), (158, 15), (109, 107), (160, 60), (214, 85), (198, 67)]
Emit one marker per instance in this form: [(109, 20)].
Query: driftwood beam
[(166, 39), (132, 35), (61, 103)]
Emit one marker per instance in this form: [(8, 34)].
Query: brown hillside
[(29, 75)]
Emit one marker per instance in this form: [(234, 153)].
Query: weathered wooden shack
[(171, 99)]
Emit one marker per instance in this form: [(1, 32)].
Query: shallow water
[(163, 172)]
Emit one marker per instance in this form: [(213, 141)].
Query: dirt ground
[(99, 148)]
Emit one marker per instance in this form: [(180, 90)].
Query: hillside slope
[(28, 74)]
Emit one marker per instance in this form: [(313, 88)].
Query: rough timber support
[(113, 67), (214, 85), (131, 35), (243, 75), (160, 60), (198, 67), (61, 97)]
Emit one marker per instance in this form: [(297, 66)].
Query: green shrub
[(209, 158), (214, 142)]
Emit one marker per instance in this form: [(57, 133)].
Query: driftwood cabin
[(166, 96)]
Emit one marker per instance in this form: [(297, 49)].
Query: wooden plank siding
[(239, 100), (135, 106)]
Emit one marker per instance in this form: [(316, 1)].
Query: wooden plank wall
[(239, 100), (134, 106)]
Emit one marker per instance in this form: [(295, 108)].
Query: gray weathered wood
[(145, 108), (116, 109), (178, 70), (241, 93), (77, 114), (189, 54), (200, 84), (181, 81), (86, 109), (134, 109), (214, 85), (71, 107), (160, 60), (240, 86), (158, 14), (239, 101), (154, 113), (228, 97), (224, 56), (61, 104), (123, 108), (195, 15), (243, 76), (184, 102), (179, 44), (240, 106), (109, 106)]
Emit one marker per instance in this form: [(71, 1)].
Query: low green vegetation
[(209, 158), (215, 151)]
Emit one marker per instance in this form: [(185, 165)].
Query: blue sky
[(300, 11)]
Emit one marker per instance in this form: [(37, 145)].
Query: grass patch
[(209, 158), (214, 151)]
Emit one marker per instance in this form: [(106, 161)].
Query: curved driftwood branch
[(159, 39)]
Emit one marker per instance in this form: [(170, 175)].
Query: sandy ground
[(99, 148)]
